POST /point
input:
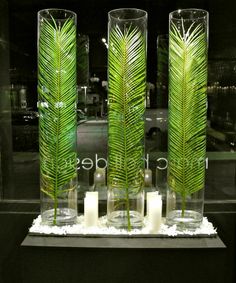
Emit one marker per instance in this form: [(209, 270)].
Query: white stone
[(79, 228)]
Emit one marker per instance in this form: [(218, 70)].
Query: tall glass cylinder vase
[(126, 107), (188, 44), (57, 115)]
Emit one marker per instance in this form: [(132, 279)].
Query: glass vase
[(188, 44), (126, 107), (57, 116)]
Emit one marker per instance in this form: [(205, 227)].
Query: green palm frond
[(127, 86), (187, 109), (57, 98)]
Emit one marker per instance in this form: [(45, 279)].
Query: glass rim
[(199, 16), (46, 11), (144, 14)]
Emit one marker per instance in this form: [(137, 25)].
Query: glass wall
[(19, 160)]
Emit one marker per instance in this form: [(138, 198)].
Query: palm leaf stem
[(183, 205), (184, 108), (125, 141), (57, 124), (55, 210)]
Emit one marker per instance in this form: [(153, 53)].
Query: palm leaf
[(57, 98), (127, 86), (187, 109)]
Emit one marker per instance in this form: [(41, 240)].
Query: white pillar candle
[(155, 213), (92, 195), (148, 197), (91, 209)]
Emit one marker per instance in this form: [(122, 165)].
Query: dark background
[(19, 177), (92, 20)]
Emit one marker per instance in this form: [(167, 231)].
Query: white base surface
[(206, 229)]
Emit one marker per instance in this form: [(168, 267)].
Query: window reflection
[(19, 166)]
